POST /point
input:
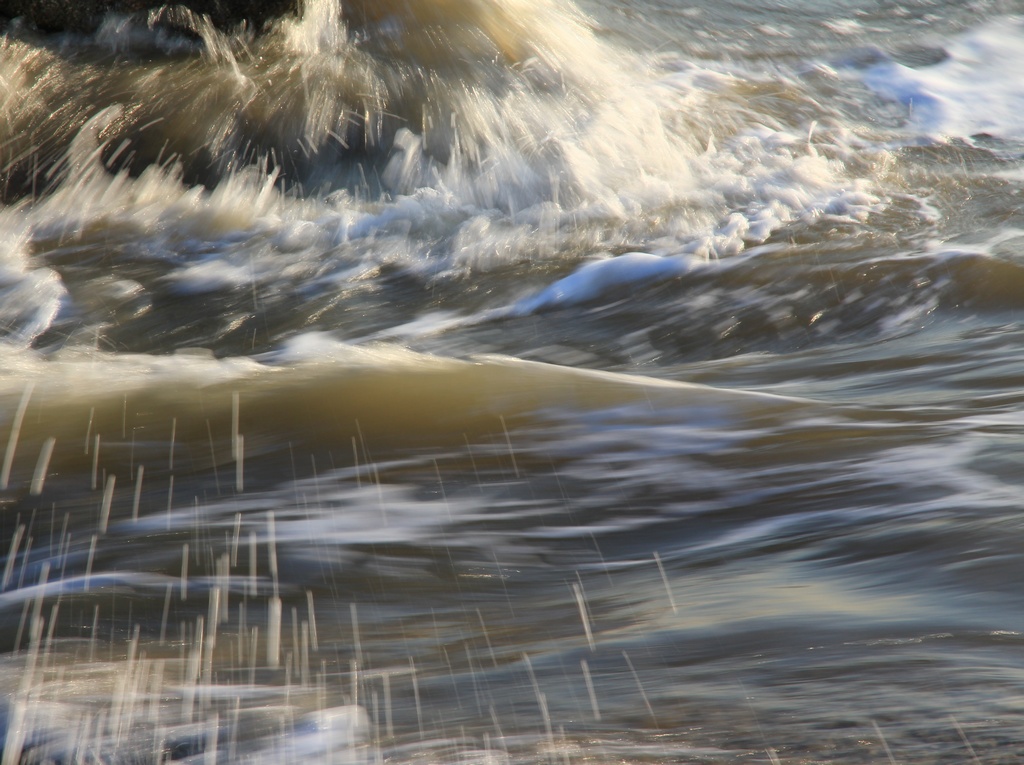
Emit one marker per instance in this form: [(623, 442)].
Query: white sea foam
[(976, 90), (606, 275), (584, 148), (30, 297), (75, 374)]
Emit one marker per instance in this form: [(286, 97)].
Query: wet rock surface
[(85, 15)]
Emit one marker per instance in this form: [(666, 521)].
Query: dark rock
[(85, 15)]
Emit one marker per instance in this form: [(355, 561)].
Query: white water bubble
[(976, 90)]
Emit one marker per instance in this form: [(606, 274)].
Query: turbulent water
[(514, 381)]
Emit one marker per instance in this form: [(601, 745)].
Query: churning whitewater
[(513, 381)]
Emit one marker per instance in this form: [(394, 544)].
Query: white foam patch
[(30, 297), (29, 302), (607, 276), (74, 374), (211, 276), (311, 348), (977, 90)]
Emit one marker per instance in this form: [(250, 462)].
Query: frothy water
[(971, 93), (521, 381), (531, 161)]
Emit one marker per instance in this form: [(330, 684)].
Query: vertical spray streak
[(108, 498), (212, 726), (9, 566), (240, 464), (166, 613), (235, 539), (511, 451), (885, 744), (274, 610), (664, 579), (312, 620), (274, 607), (542, 701), (42, 465), (590, 688), (88, 429), (416, 695), (184, 571), (213, 457), (95, 462), (170, 499), (174, 433), (212, 618), (137, 497), (234, 425), (12, 441), (355, 633), (967, 743), (640, 687), (88, 562), (253, 582), (272, 550), (584, 615)]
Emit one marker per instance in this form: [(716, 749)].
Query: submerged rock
[(85, 15)]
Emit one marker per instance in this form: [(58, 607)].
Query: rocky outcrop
[(85, 15)]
